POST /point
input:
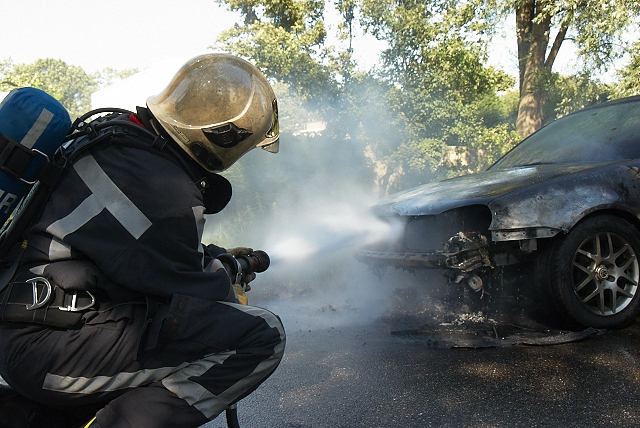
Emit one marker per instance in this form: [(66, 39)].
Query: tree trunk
[(533, 39)]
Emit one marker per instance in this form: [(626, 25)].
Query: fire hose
[(239, 268)]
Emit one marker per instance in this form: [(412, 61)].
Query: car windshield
[(605, 133)]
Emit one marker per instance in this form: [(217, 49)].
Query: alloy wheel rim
[(605, 273)]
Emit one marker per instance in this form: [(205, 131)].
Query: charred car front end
[(570, 194)]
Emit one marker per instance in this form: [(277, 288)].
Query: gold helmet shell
[(217, 108)]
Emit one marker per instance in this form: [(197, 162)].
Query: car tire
[(594, 272)]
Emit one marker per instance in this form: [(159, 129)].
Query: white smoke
[(315, 279), (309, 208)]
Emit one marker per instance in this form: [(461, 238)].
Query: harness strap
[(7, 273), (39, 300), (39, 292)]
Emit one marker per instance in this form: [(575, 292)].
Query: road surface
[(414, 371)]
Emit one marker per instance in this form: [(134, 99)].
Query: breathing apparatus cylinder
[(33, 126)]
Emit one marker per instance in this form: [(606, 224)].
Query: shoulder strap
[(81, 136), (84, 135)]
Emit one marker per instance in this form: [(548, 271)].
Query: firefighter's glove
[(242, 296), (240, 251), (247, 279)]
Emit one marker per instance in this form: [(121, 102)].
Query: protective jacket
[(127, 222), (134, 214)]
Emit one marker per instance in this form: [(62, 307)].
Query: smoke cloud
[(308, 207), (312, 250)]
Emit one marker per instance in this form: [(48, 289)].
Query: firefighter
[(159, 337)]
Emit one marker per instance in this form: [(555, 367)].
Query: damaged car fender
[(551, 206), (573, 185)]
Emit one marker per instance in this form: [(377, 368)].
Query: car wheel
[(594, 272)]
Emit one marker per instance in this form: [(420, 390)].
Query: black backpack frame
[(82, 136)]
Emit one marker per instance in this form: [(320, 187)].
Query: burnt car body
[(565, 200)]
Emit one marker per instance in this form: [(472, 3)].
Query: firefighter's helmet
[(217, 108)]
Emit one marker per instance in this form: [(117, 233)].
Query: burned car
[(564, 202)]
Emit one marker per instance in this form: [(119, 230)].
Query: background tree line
[(69, 84), (431, 108)]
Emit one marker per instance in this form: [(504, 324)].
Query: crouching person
[(133, 318)]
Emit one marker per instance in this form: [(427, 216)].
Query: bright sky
[(116, 33), (125, 34), (119, 34)]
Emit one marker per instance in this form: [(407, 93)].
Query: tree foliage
[(566, 94), (68, 84), (284, 38), (420, 117), (629, 83), (108, 76), (597, 29), (432, 108), (435, 62), (319, 81)]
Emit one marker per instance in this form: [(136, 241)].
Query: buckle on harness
[(34, 284), (40, 284), (15, 158), (74, 299)]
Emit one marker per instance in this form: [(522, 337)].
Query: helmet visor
[(271, 147), (272, 140)]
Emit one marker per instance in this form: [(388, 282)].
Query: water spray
[(328, 236)]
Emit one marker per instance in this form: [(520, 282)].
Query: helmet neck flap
[(215, 189)]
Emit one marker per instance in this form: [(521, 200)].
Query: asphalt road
[(465, 370), (366, 357)]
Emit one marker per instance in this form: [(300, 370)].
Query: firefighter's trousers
[(196, 358)]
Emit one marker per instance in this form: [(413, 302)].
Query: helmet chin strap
[(188, 165), (190, 168), (205, 157)]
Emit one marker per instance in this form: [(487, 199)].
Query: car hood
[(480, 188)]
